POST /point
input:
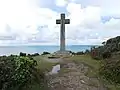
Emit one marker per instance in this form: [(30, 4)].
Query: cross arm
[(67, 21), (58, 21)]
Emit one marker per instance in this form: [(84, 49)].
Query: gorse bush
[(110, 70), (7, 67), (16, 71), (105, 51), (23, 66), (109, 53)]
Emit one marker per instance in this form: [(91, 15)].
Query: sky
[(33, 22)]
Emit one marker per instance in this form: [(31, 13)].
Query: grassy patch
[(88, 61), (43, 64), (113, 87), (36, 86)]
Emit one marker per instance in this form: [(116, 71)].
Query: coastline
[(8, 50)]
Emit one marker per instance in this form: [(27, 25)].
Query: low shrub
[(32, 55), (87, 51), (16, 71), (45, 53), (22, 54), (110, 70), (36, 54), (79, 53), (76, 53), (106, 55)]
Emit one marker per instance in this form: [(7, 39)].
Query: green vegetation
[(44, 65), (94, 67), (45, 53), (23, 72), (110, 53), (16, 71), (109, 47)]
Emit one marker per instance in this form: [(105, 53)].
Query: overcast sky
[(33, 22)]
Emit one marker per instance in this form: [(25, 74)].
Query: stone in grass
[(55, 69)]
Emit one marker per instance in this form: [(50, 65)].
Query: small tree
[(22, 54), (87, 51)]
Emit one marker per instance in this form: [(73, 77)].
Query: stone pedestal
[(62, 53)]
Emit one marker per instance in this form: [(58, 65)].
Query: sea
[(15, 50)]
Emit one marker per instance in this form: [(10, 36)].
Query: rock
[(82, 81), (55, 69)]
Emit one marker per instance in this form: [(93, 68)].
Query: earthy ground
[(72, 76)]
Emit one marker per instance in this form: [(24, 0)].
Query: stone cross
[(62, 22)]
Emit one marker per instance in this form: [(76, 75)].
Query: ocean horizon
[(8, 50)]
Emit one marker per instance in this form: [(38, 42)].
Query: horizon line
[(55, 45)]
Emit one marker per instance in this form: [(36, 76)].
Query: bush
[(35, 54), (79, 53), (7, 68), (106, 55), (29, 55), (110, 70), (16, 71), (110, 46), (87, 51), (22, 54), (45, 53), (73, 53), (95, 54)]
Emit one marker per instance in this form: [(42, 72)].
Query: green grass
[(43, 64), (114, 88), (87, 60)]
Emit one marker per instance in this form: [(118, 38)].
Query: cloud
[(109, 7), (61, 3), (26, 22), (86, 24)]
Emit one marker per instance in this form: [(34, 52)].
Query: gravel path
[(73, 79)]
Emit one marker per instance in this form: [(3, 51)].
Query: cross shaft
[(62, 23)]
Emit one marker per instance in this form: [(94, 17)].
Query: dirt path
[(72, 77)]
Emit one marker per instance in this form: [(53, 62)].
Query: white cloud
[(109, 7), (61, 3), (86, 22), (20, 19), (24, 20)]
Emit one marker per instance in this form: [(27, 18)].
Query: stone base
[(62, 53)]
